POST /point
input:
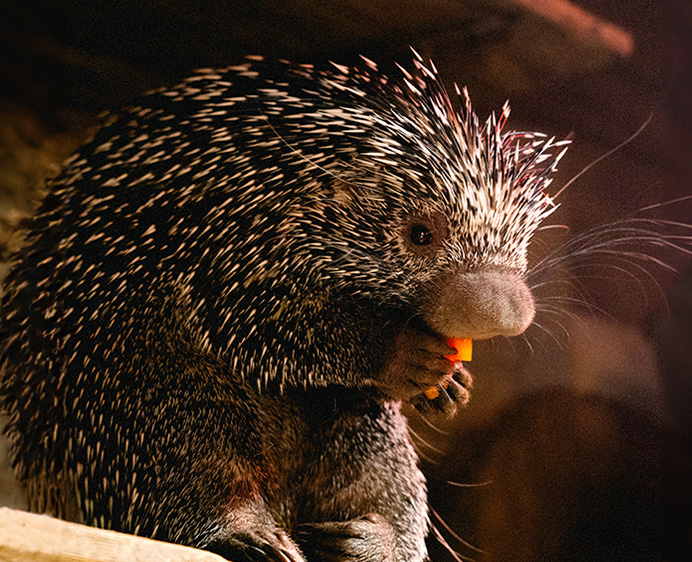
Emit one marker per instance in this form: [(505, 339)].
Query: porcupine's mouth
[(462, 344)]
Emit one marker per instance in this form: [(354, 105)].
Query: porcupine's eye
[(420, 235), (424, 235)]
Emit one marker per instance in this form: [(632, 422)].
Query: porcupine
[(227, 294)]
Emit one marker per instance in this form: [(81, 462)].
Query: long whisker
[(455, 535), (426, 443), (671, 202), (549, 333), (528, 343), (458, 557), (461, 485), (607, 154), (432, 425)]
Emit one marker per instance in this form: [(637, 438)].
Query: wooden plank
[(28, 537)]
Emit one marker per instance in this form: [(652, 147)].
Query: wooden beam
[(27, 537)]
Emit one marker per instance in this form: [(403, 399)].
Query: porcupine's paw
[(367, 539), (261, 546), (416, 361), (447, 396)]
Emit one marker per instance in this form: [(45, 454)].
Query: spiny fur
[(231, 212)]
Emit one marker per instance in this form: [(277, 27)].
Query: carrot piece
[(464, 347), (432, 393)]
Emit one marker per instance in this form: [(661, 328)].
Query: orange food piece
[(464, 347), (432, 393)]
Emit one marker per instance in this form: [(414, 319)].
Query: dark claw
[(453, 392), (253, 548), (367, 538), (462, 376), (422, 403), (445, 403), (284, 556)]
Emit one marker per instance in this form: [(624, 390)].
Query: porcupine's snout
[(480, 304)]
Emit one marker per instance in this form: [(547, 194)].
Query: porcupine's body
[(226, 295)]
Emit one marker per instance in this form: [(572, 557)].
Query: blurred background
[(577, 443)]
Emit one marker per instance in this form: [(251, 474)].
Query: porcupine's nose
[(481, 304)]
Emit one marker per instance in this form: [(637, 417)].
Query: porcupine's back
[(196, 215)]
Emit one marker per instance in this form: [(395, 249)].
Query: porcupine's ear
[(358, 183)]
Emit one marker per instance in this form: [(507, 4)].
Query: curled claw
[(369, 537), (260, 546), (447, 396)]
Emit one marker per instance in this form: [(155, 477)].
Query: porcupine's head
[(434, 211)]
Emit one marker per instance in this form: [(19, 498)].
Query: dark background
[(585, 426)]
